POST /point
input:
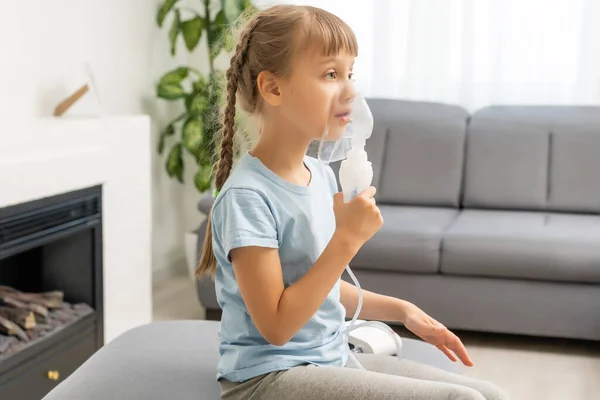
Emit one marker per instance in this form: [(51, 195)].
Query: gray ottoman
[(175, 360)]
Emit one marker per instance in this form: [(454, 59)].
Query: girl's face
[(317, 97)]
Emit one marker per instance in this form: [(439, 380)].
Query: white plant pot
[(191, 241)]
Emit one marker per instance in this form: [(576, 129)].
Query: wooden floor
[(527, 368)]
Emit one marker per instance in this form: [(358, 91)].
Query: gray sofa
[(175, 360), (491, 219)]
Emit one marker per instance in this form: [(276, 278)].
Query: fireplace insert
[(51, 292)]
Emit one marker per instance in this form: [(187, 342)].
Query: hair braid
[(208, 262), (233, 75)]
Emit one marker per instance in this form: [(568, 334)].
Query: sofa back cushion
[(417, 152), (533, 158)]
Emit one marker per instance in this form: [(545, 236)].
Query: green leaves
[(169, 131), (170, 91), (170, 84), (174, 32), (196, 104), (192, 32), (216, 83), (248, 6), (198, 100), (215, 33), (203, 177), (199, 123), (221, 38), (176, 75), (192, 134), (232, 9), (220, 20), (199, 85), (163, 10), (175, 162), (191, 29)]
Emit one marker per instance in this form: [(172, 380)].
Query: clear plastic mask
[(335, 144)]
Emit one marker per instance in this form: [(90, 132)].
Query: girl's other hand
[(359, 219), (433, 332)]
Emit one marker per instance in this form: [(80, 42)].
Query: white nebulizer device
[(356, 171), (355, 176)]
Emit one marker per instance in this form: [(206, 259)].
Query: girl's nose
[(348, 91)]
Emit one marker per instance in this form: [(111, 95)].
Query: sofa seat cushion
[(409, 240), (523, 245), (176, 360)]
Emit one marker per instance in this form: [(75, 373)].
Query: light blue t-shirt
[(256, 207)]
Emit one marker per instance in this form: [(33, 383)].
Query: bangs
[(325, 30)]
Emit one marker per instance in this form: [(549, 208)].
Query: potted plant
[(197, 127)]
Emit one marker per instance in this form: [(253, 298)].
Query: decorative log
[(54, 299), (56, 319), (40, 312), (51, 300), (8, 327), (22, 317)]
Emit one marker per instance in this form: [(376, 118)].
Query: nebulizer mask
[(345, 140)]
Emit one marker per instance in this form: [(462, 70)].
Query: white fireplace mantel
[(60, 155)]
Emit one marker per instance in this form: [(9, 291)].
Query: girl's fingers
[(460, 350), (447, 352)]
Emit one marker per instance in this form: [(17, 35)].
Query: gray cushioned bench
[(175, 360)]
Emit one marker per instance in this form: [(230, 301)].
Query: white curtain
[(475, 52)]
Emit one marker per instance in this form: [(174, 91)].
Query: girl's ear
[(269, 87)]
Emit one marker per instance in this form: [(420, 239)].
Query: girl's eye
[(333, 75)]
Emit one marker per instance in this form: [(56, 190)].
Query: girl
[(280, 236)]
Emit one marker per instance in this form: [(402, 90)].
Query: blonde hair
[(268, 41)]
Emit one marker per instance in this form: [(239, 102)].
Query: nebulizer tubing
[(355, 175), (374, 324)]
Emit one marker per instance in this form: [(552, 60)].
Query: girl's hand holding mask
[(359, 219)]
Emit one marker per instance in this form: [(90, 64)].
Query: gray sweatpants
[(385, 378)]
